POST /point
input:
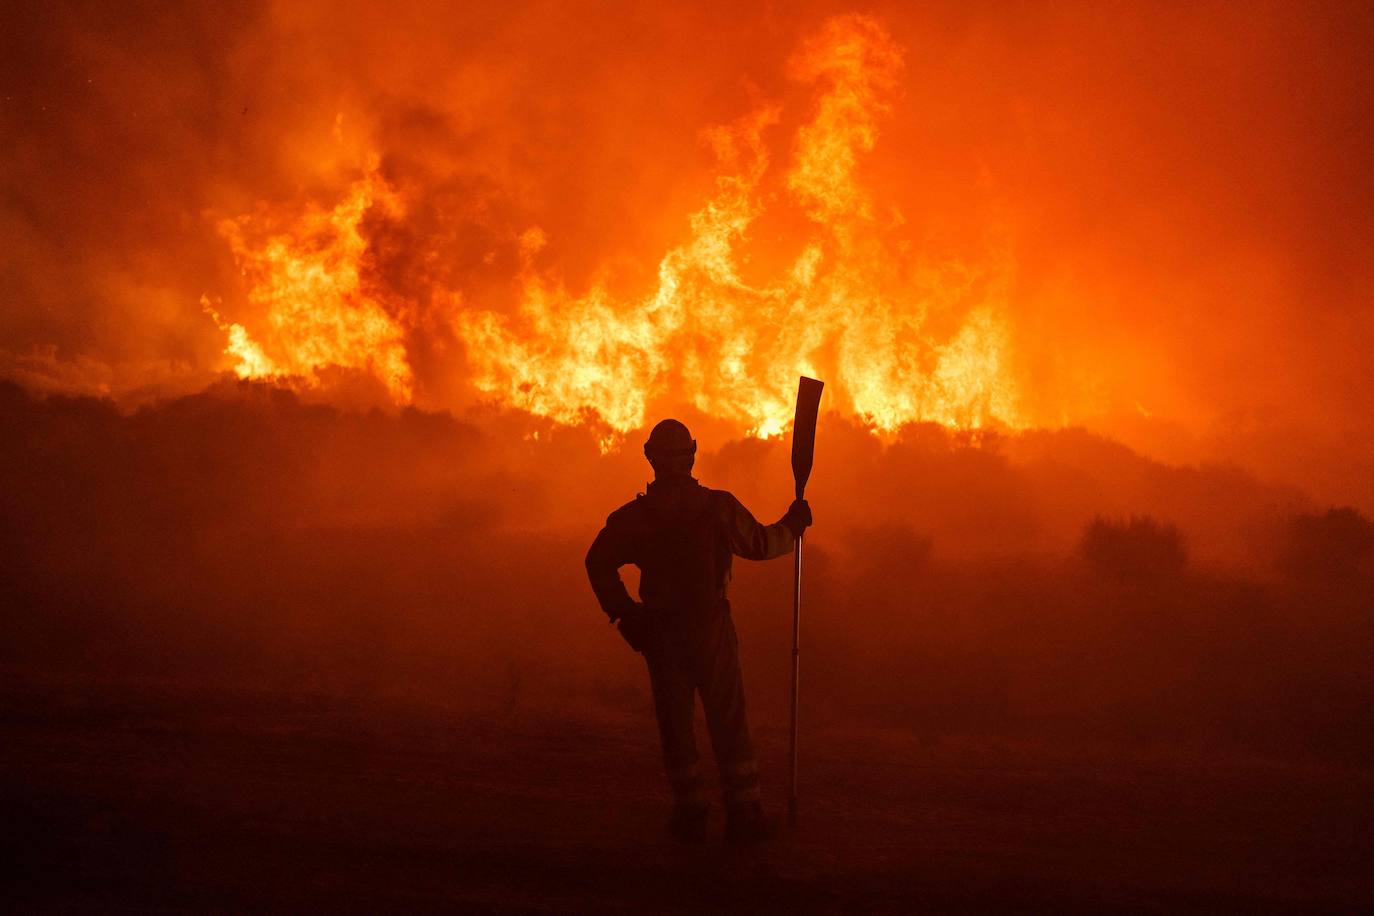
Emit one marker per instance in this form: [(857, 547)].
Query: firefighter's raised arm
[(753, 541)]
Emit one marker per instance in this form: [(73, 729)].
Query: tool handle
[(796, 684)]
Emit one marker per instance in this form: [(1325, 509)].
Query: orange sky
[(1168, 209)]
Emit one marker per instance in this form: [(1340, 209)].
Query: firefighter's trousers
[(703, 659)]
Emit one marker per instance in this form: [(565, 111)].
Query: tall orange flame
[(853, 305), (307, 277)]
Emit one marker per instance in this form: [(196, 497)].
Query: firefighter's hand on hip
[(638, 626)]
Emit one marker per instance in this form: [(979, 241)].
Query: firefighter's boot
[(687, 824), (746, 823)]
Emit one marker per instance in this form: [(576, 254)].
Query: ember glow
[(854, 302)]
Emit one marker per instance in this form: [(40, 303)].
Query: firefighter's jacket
[(682, 537)]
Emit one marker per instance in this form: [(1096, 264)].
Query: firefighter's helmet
[(670, 439)]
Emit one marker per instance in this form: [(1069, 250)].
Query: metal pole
[(796, 684)]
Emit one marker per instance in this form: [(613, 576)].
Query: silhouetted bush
[(1139, 548), (1330, 544)]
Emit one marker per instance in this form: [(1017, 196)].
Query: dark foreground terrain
[(163, 796)]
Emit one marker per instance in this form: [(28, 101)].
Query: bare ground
[(169, 797)]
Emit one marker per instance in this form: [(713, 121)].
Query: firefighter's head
[(671, 449)]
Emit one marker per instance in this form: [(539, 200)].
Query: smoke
[(1174, 203), (956, 584), (1168, 211)]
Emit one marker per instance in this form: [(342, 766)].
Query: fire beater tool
[(803, 450)]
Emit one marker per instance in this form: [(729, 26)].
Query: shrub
[(1330, 544), (1138, 548)]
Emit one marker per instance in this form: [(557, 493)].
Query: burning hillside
[(906, 337), (1152, 229)]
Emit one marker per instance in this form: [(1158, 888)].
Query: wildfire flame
[(853, 304), (307, 277)]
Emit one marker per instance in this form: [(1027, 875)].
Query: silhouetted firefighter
[(682, 536)]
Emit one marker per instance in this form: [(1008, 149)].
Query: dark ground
[(167, 797)]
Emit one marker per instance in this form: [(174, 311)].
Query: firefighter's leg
[(675, 707), (722, 695)]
